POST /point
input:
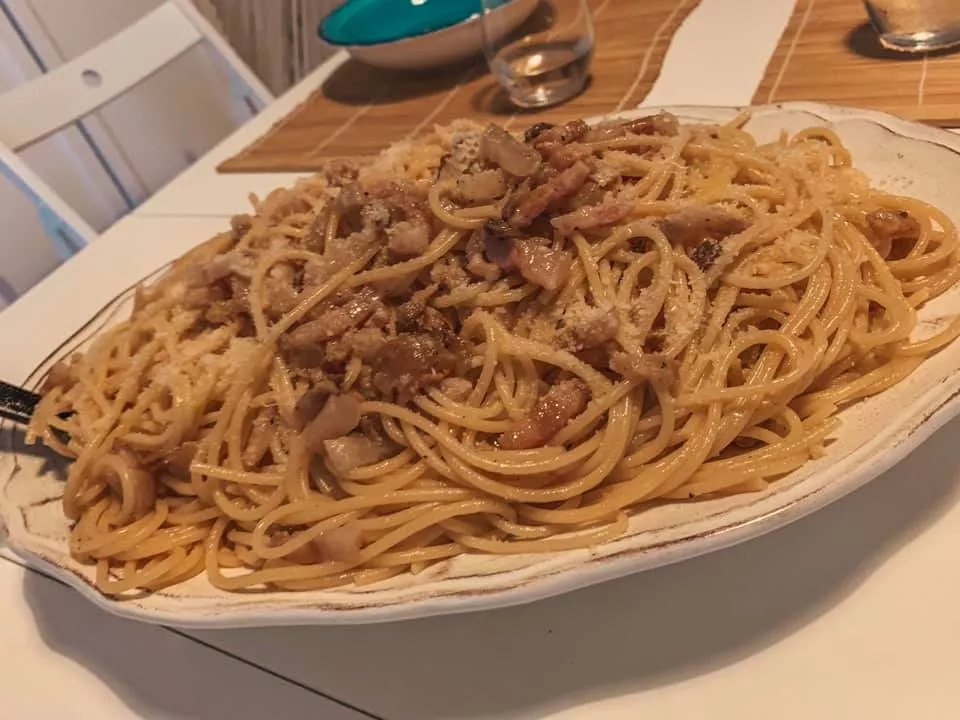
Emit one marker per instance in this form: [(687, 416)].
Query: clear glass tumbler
[(916, 25), (546, 60)]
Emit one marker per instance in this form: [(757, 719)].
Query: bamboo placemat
[(360, 110), (830, 53)]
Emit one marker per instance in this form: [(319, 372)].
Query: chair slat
[(41, 107)]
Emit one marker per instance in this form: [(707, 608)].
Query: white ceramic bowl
[(898, 156), (440, 47)]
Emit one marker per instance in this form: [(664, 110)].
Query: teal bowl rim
[(322, 32)]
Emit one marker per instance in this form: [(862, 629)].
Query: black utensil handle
[(16, 403)]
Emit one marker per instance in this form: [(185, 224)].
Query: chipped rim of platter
[(875, 434)]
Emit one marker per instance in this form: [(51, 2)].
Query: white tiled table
[(851, 613)]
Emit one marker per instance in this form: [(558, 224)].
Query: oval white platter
[(898, 156)]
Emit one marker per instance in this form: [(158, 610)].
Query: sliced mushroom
[(503, 149)]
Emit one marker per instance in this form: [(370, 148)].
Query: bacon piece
[(534, 131), (563, 134), (562, 402), (610, 210), (543, 196), (336, 321), (661, 124), (605, 131), (890, 225), (532, 257), (407, 364), (563, 156)]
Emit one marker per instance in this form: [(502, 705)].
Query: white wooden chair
[(41, 107)]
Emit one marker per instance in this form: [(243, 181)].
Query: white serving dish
[(899, 156)]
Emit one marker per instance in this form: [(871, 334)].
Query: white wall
[(149, 135), (277, 38)]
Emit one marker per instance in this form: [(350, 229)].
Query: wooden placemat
[(830, 53), (360, 110)]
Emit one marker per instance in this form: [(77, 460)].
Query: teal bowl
[(415, 34)]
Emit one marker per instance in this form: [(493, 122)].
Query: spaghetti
[(485, 344)]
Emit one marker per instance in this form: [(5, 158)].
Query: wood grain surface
[(830, 53), (360, 110)]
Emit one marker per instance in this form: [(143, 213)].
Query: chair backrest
[(41, 107), (36, 109)]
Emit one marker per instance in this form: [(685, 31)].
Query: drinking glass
[(546, 60), (916, 25)]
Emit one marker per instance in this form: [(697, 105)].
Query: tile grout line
[(272, 673), (209, 646)]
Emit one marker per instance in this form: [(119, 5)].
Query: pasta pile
[(486, 343)]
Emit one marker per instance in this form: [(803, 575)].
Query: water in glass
[(547, 60)]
